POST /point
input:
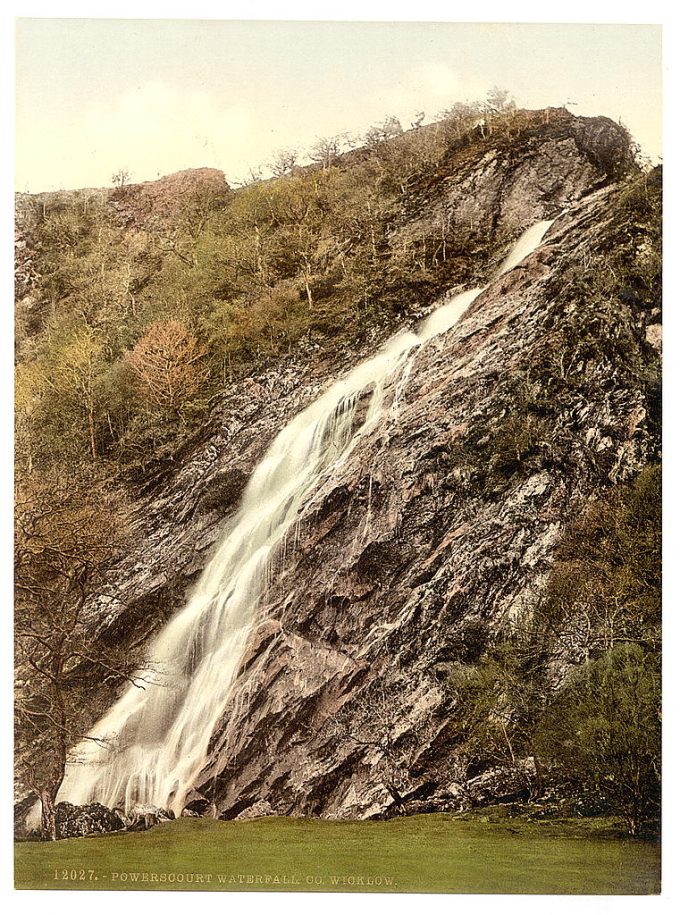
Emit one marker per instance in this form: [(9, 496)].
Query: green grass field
[(431, 853)]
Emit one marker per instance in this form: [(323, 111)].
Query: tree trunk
[(90, 429), (48, 816), (396, 796), (634, 817), (540, 782)]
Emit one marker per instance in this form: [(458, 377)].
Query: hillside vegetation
[(489, 568), (139, 304)]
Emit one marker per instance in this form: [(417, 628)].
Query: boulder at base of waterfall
[(144, 816), (258, 809), (445, 799), (73, 821), (198, 805), (514, 782)]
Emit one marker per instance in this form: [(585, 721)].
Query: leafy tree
[(27, 387), (92, 268), (603, 731), (167, 364), (605, 587), (497, 700), (58, 392), (241, 332), (67, 534)]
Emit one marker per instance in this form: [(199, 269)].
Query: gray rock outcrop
[(437, 532), (428, 542), (74, 821)]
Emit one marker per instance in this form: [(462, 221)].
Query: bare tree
[(388, 130), (373, 723), (498, 100), (66, 537), (327, 149), (200, 206), (461, 115), (168, 366), (120, 178), (284, 162)]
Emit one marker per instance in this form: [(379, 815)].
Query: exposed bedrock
[(431, 538), (418, 551)]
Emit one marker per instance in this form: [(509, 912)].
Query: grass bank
[(432, 853)]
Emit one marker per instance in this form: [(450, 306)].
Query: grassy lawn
[(431, 853)]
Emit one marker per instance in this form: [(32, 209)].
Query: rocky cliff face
[(430, 541), (500, 184), (440, 528)]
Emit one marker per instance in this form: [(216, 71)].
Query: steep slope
[(439, 533), (434, 538), (182, 502)]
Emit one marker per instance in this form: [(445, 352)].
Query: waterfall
[(152, 744)]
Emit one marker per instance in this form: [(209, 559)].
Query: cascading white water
[(527, 242), (153, 743)]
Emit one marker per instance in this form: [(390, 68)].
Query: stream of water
[(153, 742)]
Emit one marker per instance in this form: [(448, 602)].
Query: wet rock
[(502, 784), (197, 805), (144, 816), (258, 809), (74, 821), (225, 490)]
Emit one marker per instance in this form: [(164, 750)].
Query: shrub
[(167, 366), (603, 731)]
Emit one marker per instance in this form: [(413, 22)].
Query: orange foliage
[(167, 365)]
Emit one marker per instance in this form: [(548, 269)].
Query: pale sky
[(156, 96)]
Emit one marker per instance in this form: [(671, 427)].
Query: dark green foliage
[(497, 701), (602, 602), (603, 732), (605, 587)]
